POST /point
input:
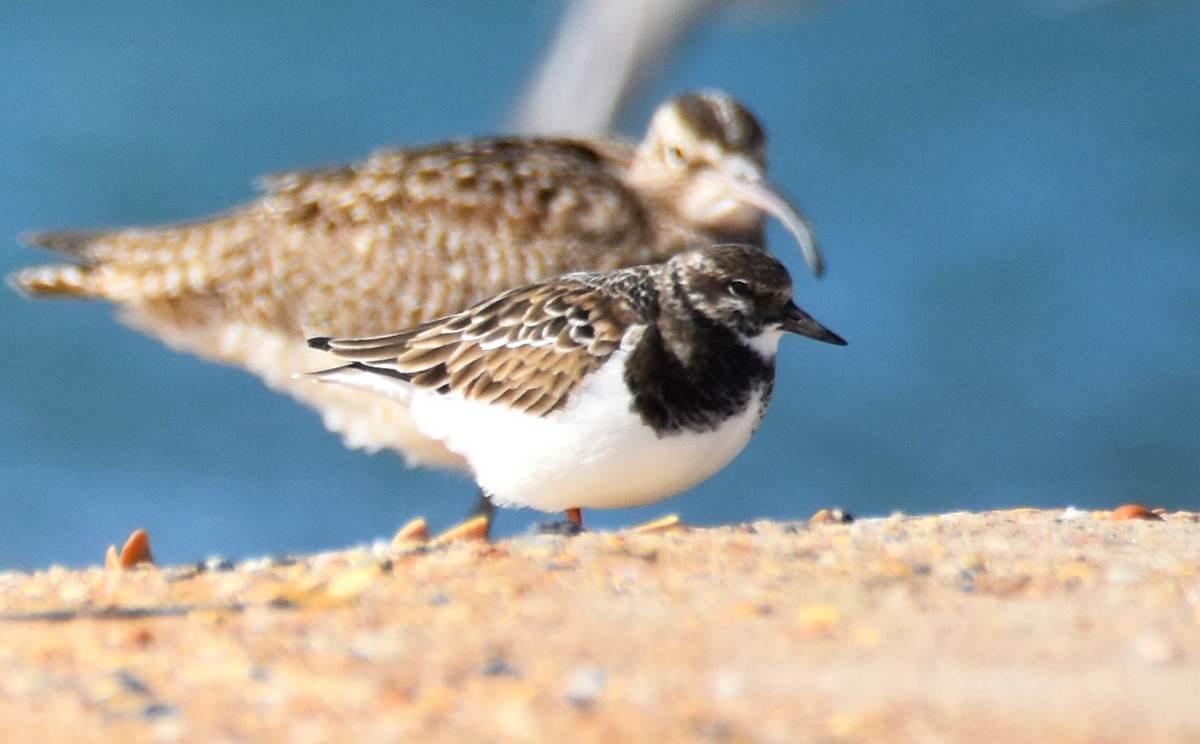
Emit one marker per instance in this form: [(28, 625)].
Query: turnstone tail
[(409, 235), (594, 389)]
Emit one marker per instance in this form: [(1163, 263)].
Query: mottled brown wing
[(406, 236), (399, 238), (527, 349)]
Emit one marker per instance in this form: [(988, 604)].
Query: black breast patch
[(715, 385)]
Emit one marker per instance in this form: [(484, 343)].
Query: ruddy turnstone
[(594, 389)]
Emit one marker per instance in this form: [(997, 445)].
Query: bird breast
[(594, 453)]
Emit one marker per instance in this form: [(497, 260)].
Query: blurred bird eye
[(675, 157), (739, 289)]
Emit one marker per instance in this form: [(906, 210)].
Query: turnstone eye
[(740, 289), (675, 157)]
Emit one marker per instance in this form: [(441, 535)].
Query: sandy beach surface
[(1026, 625)]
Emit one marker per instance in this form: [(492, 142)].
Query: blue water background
[(1008, 195)]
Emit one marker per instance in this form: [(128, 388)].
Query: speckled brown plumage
[(528, 349), (408, 235)]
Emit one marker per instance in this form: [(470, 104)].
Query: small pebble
[(966, 580), (415, 531), (1156, 650), (474, 529), (155, 711), (819, 619), (498, 667), (585, 685), (558, 527), (182, 573), (1133, 511), (714, 731), (728, 684), (136, 552), (131, 683), (662, 524), (255, 565), (381, 554), (217, 564), (832, 516)]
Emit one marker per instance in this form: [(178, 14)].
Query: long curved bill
[(759, 193)]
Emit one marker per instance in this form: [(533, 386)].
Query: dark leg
[(483, 508)]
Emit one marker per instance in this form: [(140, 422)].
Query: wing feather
[(390, 241), (528, 349)]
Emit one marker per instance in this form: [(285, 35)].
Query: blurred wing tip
[(49, 280), (68, 242)]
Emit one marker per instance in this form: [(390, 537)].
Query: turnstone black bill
[(408, 235), (594, 389)]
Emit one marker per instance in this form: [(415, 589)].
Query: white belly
[(595, 453)]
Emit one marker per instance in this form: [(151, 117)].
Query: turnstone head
[(407, 235), (594, 389)]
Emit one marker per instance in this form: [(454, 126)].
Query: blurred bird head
[(705, 155)]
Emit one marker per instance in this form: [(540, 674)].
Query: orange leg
[(576, 516)]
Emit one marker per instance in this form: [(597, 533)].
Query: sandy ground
[(1017, 626)]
